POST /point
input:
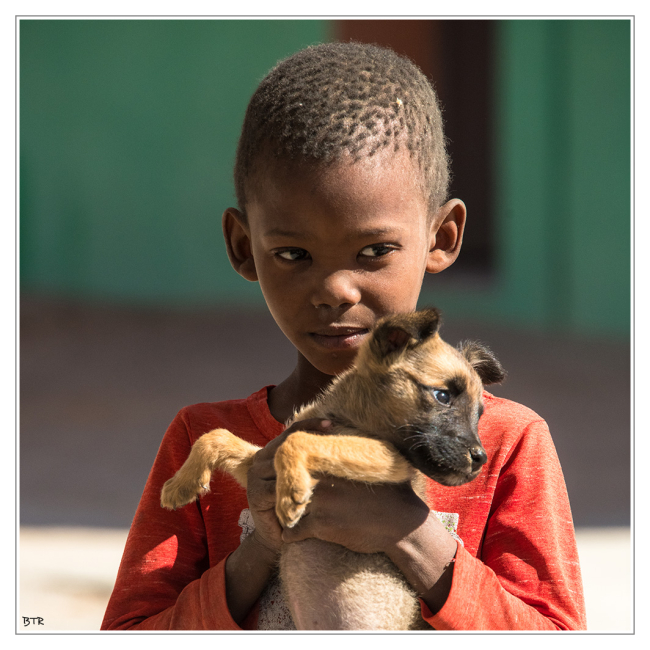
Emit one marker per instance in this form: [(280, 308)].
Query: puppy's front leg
[(303, 454), (217, 449)]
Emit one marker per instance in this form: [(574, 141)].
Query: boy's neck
[(303, 385)]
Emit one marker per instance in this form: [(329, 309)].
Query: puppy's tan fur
[(387, 425)]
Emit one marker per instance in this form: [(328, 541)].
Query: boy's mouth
[(340, 338)]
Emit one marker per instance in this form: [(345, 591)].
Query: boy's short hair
[(344, 98)]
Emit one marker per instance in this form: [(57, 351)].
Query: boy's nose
[(336, 290)]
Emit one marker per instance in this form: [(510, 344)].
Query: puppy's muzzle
[(448, 458)]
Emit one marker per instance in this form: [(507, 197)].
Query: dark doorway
[(457, 56)]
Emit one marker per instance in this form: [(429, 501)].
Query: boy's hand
[(364, 518), (261, 487)]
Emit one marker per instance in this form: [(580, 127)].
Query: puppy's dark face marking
[(442, 440)]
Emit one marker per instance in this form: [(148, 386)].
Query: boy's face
[(337, 247)]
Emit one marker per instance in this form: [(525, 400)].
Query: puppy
[(409, 406)]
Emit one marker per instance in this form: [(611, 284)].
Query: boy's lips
[(339, 338)]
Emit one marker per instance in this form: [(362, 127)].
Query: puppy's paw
[(289, 512), (179, 491), (292, 499)]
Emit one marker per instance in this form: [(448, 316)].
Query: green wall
[(128, 135), (128, 131), (563, 168)]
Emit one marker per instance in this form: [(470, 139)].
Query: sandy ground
[(67, 574)]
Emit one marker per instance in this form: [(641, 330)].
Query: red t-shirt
[(517, 567)]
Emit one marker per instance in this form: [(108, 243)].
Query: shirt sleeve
[(527, 575), (164, 581)]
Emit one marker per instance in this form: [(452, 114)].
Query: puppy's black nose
[(479, 457)]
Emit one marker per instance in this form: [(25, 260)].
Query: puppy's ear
[(482, 359), (395, 334), (426, 323)]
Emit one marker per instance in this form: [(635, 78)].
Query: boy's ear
[(447, 227), (238, 243)]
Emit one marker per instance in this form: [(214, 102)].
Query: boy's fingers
[(296, 534), (261, 484), (313, 425), (263, 467), (263, 495)]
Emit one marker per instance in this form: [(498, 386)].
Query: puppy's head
[(431, 393)]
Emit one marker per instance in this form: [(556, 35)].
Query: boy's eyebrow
[(369, 232), (279, 232), (378, 232)]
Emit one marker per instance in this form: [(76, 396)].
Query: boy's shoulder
[(506, 425), (507, 412), (248, 417)]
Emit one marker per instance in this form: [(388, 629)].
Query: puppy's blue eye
[(443, 396)]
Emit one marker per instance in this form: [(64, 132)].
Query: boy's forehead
[(379, 186)]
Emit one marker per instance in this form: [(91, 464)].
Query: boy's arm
[(528, 577), (164, 580)]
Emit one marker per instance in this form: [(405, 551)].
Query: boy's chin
[(333, 364)]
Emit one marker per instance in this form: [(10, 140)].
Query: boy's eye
[(376, 250), (293, 254)]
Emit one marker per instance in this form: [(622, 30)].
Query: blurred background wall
[(130, 310), (128, 133)]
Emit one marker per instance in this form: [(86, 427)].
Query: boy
[(341, 179)]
